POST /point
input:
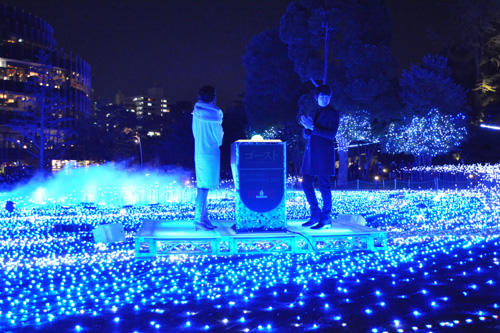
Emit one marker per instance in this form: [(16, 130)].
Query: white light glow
[(491, 127), (257, 137)]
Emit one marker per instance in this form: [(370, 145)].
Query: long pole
[(140, 146), (140, 150)]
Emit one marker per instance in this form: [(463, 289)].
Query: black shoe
[(323, 224), (310, 222), (201, 226), (209, 224)]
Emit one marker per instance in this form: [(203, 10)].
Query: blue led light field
[(440, 273)]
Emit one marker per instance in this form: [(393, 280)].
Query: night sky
[(179, 45)]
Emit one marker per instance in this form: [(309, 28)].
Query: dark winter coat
[(319, 159)]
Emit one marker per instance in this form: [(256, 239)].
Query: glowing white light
[(438, 197), (257, 137), (491, 127), (40, 194)]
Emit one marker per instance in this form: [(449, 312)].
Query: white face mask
[(323, 100)]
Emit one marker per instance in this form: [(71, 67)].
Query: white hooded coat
[(208, 134)]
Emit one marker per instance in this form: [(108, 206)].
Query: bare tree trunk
[(40, 166), (369, 156), (343, 168), (42, 139), (426, 160)]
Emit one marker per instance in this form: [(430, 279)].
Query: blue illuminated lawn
[(441, 272)]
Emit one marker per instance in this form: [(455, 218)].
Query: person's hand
[(307, 122)]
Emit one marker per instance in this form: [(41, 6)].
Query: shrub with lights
[(426, 137)]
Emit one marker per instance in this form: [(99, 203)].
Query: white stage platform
[(165, 237)]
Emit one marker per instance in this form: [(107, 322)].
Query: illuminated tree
[(423, 131), (42, 124), (352, 127), (429, 85), (426, 137), (468, 33), (343, 44)]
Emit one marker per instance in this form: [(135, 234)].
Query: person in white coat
[(208, 134)]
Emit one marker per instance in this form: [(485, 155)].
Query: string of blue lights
[(440, 272)]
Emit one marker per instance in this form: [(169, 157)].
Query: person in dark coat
[(320, 129)]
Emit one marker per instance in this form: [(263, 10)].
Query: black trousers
[(326, 194)]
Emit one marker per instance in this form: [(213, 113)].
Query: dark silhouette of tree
[(343, 44), (234, 125), (429, 85), (108, 135), (292, 133), (176, 146), (468, 36), (472, 43), (272, 86), (42, 124), (91, 143), (272, 92)]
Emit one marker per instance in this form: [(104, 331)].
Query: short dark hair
[(323, 90), (206, 94)]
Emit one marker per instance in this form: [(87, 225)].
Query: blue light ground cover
[(441, 272)]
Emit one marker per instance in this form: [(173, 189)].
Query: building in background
[(150, 110), (22, 36), (153, 104)]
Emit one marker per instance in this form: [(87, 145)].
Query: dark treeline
[(384, 93)]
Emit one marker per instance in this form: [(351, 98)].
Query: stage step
[(167, 237)]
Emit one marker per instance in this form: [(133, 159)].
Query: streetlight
[(138, 140)]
